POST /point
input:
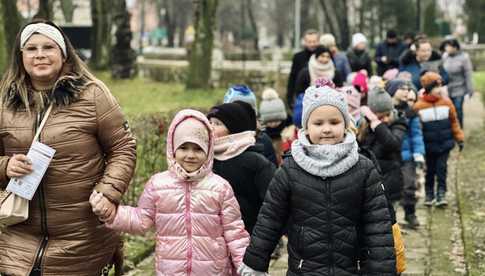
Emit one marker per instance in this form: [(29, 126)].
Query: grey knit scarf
[(325, 160)]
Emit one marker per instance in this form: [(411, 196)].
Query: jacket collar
[(66, 91)]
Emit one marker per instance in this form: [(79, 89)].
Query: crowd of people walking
[(326, 168)]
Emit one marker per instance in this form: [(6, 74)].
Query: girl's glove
[(419, 160), (245, 270), (370, 116)]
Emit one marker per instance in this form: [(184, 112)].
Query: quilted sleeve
[(235, 235), (271, 220), (117, 143), (137, 220)]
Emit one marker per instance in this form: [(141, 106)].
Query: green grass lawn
[(479, 82), (142, 95)]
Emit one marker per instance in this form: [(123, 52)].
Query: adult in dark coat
[(358, 55), (388, 53), (300, 61)]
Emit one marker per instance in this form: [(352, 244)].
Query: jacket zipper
[(301, 247), (189, 229), (43, 219), (329, 214)]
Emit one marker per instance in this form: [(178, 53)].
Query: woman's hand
[(18, 166), (102, 207)]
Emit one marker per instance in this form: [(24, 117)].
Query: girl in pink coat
[(197, 218)]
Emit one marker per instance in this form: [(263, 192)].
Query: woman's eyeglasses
[(31, 51)]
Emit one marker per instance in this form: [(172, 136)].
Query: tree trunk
[(123, 57), (344, 23), (45, 10), (101, 33), (68, 7), (12, 22), (201, 52), (332, 21), (254, 26), (362, 15), (170, 19)]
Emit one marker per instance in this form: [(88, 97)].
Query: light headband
[(44, 29)]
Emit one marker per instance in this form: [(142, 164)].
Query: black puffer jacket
[(333, 223), (385, 142), (249, 175)]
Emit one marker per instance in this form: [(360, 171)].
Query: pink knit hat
[(191, 130), (360, 80)]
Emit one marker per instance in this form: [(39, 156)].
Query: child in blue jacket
[(412, 149)]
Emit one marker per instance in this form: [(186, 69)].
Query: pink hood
[(175, 168)]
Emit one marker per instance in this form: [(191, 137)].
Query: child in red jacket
[(441, 130)]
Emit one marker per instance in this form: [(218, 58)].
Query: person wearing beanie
[(243, 93), (382, 133), (403, 95), (213, 212), (271, 108), (358, 55), (388, 53), (360, 82), (325, 164), (240, 92), (441, 130), (239, 159), (340, 60), (319, 66), (300, 61), (273, 116)]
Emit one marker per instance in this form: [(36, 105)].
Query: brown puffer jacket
[(94, 150)]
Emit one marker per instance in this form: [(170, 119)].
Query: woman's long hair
[(17, 79)]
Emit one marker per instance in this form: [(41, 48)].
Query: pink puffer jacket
[(197, 218)]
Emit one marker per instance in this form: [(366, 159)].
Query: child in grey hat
[(325, 184), (273, 116), (382, 133)]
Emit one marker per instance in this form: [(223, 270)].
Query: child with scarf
[(243, 93), (403, 96), (274, 119), (339, 221), (441, 129), (198, 223), (238, 158)]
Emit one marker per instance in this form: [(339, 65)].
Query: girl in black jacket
[(382, 133), (339, 221), (238, 159)]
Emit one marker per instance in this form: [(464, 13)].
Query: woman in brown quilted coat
[(94, 151)]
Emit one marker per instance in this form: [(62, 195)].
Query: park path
[(436, 247)]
